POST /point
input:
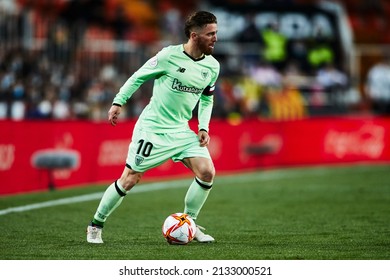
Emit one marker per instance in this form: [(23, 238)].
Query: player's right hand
[(113, 114)]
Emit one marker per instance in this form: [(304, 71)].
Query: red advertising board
[(100, 150)]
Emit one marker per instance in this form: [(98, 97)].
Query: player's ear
[(193, 35)]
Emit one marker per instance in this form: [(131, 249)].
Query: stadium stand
[(66, 60)]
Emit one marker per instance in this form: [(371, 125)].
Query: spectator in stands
[(58, 42), (265, 74), (251, 33), (297, 54), (333, 81), (377, 87), (170, 26), (320, 52), (275, 45), (250, 41), (285, 102)]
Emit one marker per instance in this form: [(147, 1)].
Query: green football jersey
[(180, 83)]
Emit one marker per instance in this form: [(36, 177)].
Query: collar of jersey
[(194, 59)]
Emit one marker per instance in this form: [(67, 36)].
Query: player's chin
[(209, 50)]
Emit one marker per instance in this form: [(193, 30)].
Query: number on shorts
[(144, 148)]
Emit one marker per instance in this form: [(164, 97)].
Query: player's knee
[(207, 174), (129, 180)]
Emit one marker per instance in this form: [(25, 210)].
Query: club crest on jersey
[(205, 74), (138, 160)]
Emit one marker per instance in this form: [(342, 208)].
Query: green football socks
[(113, 196), (111, 199), (196, 196)]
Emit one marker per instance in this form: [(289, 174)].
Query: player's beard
[(205, 48)]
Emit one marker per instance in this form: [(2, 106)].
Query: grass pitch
[(318, 213)]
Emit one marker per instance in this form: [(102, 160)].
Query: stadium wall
[(100, 149)]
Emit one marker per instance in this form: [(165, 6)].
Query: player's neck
[(192, 51)]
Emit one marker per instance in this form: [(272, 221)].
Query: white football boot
[(201, 237), (94, 234)]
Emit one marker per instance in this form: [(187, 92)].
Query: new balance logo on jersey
[(181, 70)]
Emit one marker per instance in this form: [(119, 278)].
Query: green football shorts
[(148, 150)]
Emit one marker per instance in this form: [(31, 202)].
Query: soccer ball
[(179, 229)]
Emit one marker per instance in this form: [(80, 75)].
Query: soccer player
[(184, 76)]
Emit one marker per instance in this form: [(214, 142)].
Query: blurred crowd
[(70, 77)]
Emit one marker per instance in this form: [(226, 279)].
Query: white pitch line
[(92, 196), (258, 176)]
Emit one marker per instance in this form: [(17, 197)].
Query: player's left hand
[(204, 138)]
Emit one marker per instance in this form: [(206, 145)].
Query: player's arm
[(205, 108), (151, 69), (206, 100), (204, 115)]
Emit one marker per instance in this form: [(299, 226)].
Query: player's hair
[(198, 20)]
